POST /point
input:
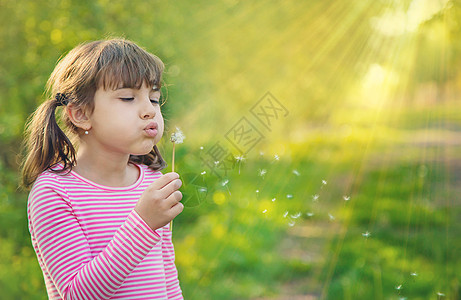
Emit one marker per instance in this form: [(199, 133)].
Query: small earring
[(86, 132)]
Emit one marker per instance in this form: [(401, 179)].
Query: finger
[(176, 210), (173, 199), (163, 180), (170, 188)]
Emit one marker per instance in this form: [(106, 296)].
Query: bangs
[(123, 64)]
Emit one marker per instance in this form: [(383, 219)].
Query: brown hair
[(105, 63)]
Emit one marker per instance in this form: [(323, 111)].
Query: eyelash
[(132, 98)]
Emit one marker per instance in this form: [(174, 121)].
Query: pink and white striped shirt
[(91, 244)]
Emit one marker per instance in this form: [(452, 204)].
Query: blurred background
[(322, 153)]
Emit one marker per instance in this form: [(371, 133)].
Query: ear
[(78, 116)]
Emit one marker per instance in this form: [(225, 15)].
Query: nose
[(148, 110)]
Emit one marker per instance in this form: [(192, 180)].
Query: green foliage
[(373, 110)]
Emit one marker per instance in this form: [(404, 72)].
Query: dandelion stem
[(172, 170)]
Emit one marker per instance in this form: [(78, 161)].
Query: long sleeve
[(171, 274), (64, 252)]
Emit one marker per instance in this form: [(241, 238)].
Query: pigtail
[(46, 144)]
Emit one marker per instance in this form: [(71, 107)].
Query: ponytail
[(46, 144)]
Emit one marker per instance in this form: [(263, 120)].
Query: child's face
[(126, 120)]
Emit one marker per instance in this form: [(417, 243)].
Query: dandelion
[(264, 211), (239, 159), (177, 137), (309, 214), (203, 173), (315, 198), (296, 172), (276, 157), (262, 172), (289, 196), (346, 198), (366, 234), (273, 199), (285, 214), (332, 218)]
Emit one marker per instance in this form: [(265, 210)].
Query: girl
[(99, 208)]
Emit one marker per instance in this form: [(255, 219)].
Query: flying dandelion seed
[(239, 159), (261, 153), (403, 298), (262, 172), (276, 157), (201, 147), (315, 198), (289, 196), (366, 234), (273, 199), (285, 214), (295, 216), (309, 214), (332, 218), (203, 173), (216, 163), (324, 182), (264, 211), (177, 137), (346, 198), (440, 294), (257, 191), (398, 288), (296, 172), (291, 223), (202, 190), (414, 274), (224, 183)]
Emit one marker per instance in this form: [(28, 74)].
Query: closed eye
[(127, 99), (155, 101)]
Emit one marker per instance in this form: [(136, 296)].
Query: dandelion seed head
[(262, 172), (366, 234), (240, 158), (346, 198), (289, 196), (177, 137), (296, 172)]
